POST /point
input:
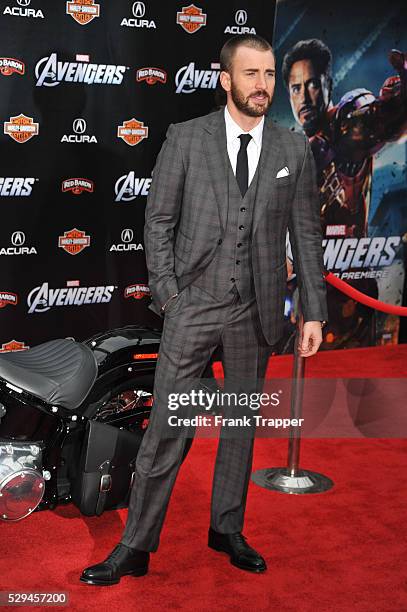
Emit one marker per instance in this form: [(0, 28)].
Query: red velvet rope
[(362, 298)]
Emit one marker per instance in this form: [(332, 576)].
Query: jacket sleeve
[(306, 241), (162, 213)]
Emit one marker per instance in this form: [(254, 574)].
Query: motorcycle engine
[(22, 482)]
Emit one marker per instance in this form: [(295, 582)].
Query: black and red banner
[(89, 88)]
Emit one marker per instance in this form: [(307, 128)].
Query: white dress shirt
[(233, 131)]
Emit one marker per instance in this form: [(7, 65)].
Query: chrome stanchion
[(292, 479)]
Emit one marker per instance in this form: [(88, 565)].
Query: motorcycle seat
[(59, 372)]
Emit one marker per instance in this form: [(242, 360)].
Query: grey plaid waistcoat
[(232, 264)]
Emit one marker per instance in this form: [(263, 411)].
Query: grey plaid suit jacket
[(187, 207)]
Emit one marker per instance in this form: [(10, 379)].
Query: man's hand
[(311, 338)]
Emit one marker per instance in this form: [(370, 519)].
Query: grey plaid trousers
[(194, 325)]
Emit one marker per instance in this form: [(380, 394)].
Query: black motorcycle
[(72, 417)]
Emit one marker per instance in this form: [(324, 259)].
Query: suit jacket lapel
[(269, 162), (215, 148)]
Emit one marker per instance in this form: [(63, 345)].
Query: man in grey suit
[(226, 187)]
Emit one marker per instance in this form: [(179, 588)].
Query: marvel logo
[(335, 230)]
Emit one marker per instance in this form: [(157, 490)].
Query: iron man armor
[(344, 144)]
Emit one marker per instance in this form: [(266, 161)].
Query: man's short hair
[(312, 49), (241, 40)]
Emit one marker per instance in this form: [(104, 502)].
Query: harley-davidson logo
[(191, 18), (13, 345), (137, 291), (21, 128), (151, 75), (6, 297), (83, 11), (74, 241), (77, 185), (132, 131), (9, 65)]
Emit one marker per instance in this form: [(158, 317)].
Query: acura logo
[(18, 238), (139, 9), (127, 235), (23, 2), (79, 126), (240, 17)]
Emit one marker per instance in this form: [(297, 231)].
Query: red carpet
[(341, 551)]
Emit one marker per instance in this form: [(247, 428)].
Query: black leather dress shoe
[(122, 561), (241, 554)]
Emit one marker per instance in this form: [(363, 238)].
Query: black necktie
[(242, 166)]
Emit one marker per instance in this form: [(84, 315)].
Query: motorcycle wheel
[(128, 405)]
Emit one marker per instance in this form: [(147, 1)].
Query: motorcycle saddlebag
[(106, 468)]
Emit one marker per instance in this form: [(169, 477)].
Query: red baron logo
[(6, 297), (83, 11), (137, 291), (77, 185), (191, 18), (21, 128), (132, 131), (74, 241), (9, 65), (151, 75), (13, 345)]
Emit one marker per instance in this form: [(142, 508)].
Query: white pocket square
[(283, 172)]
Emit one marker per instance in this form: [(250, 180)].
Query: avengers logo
[(13, 345), (51, 72), (191, 18), (74, 241), (151, 75), (83, 11), (360, 253), (8, 298), (77, 185), (128, 187), (16, 186), (21, 128), (132, 132), (9, 66), (188, 79), (42, 298), (137, 291)]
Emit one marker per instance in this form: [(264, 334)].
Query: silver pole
[(297, 394), (292, 479)]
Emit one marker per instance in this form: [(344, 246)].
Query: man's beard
[(243, 104)]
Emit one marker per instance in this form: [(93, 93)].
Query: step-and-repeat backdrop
[(88, 89)]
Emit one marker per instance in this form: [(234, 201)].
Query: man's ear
[(225, 80)]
